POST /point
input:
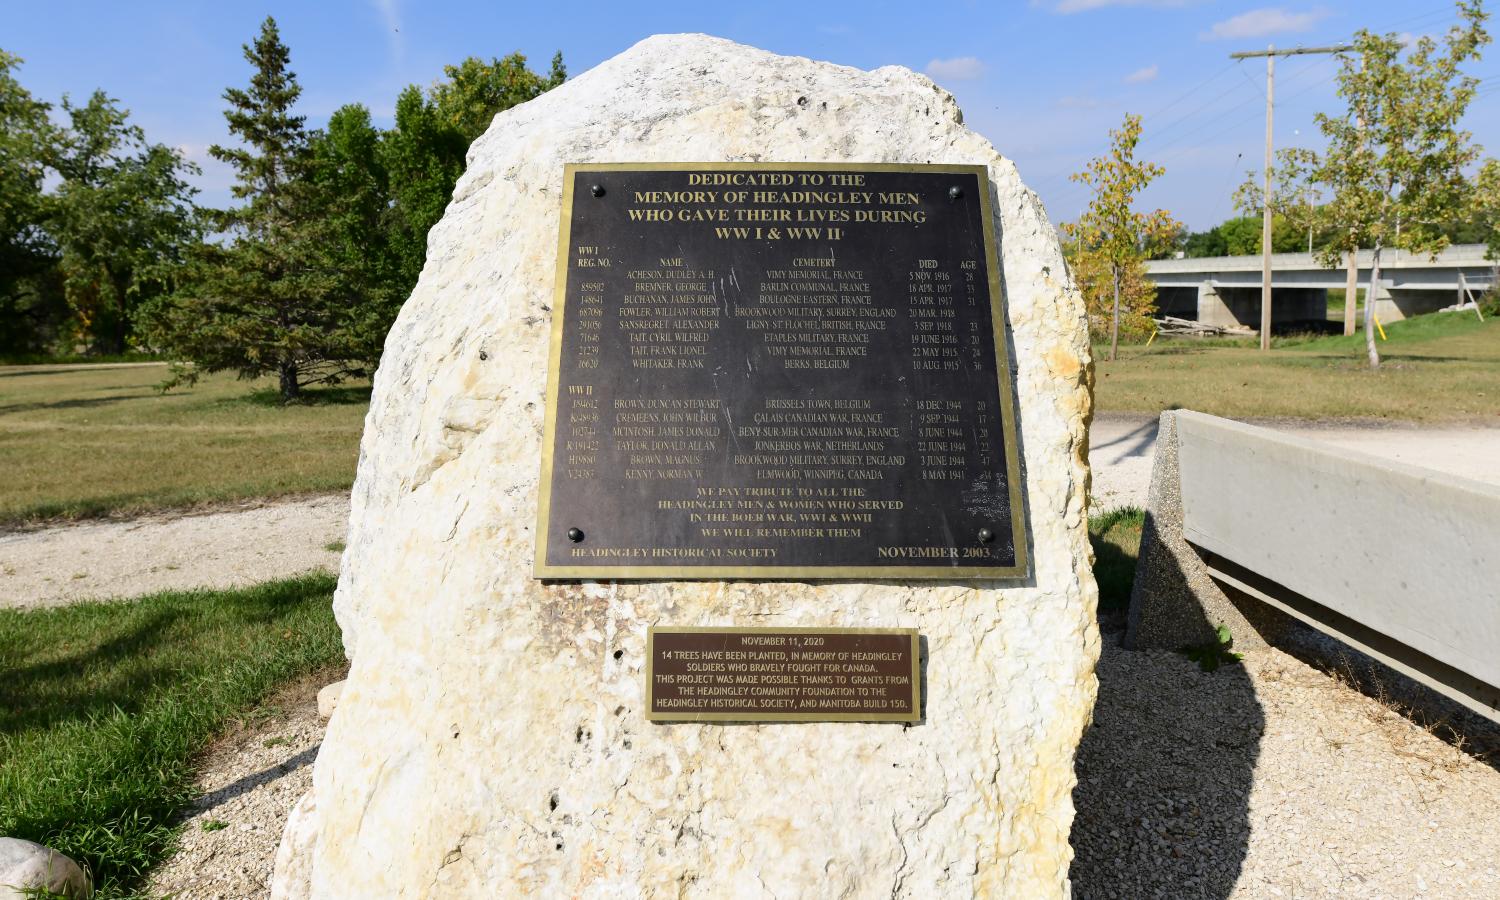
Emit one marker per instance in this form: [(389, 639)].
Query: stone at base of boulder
[(293, 879), (27, 868), (328, 699)]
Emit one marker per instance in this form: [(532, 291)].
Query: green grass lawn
[(1439, 367), (100, 440), (104, 707), (1116, 538)]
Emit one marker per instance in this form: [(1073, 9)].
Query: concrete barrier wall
[(1409, 553)]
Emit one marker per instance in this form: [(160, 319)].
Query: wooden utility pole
[(1270, 53)]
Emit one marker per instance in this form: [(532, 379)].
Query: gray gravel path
[(251, 780), (226, 548), (1272, 779)]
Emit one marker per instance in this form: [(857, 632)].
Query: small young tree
[(1485, 211), (270, 299), (1396, 158), (1112, 239), (1299, 216)]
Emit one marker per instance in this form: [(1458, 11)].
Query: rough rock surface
[(490, 739), (328, 699), (28, 869)]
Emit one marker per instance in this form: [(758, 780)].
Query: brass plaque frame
[(916, 678), (1005, 398)]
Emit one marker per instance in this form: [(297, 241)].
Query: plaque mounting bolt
[(597, 190), (955, 192), (575, 535), (986, 535)]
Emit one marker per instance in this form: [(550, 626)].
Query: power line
[(1151, 145), (1161, 152), (1190, 91), (1156, 134), (1157, 149), (1178, 121), (1436, 12)]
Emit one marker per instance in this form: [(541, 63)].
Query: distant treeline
[(1240, 236), (104, 251)]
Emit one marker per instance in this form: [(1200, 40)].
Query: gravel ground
[(251, 780), (225, 548), (1273, 779), (1263, 779)]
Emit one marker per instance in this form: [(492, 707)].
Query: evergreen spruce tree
[(271, 298)]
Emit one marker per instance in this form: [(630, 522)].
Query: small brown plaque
[(782, 675)]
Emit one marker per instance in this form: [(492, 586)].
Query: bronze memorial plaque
[(767, 370), (782, 675)]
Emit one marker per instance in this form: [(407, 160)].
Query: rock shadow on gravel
[(1164, 778)]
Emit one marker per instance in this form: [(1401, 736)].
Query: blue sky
[(1043, 79)]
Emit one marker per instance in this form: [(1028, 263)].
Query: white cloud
[(959, 68), (192, 152), (1262, 23), (1141, 76), (390, 17), (1067, 7)]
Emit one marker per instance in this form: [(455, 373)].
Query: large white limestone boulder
[(491, 738)]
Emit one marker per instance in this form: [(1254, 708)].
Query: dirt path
[(77, 367), (97, 560), (250, 780)]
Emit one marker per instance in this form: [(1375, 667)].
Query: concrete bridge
[(1225, 290)]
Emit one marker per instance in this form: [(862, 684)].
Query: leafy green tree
[(423, 155), (1113, 240), (352, 188), (476, 90), (423, 159), (30, 305), (1485, 212), (123, 216), (1396, 157), (1298, 215), (269, 299), (1241, 235), (1205, 243)]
